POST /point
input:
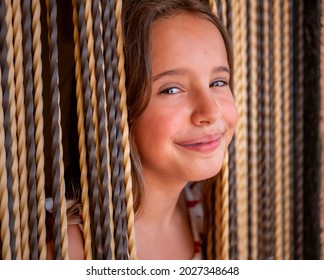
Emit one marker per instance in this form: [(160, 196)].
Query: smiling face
[(184, 132)]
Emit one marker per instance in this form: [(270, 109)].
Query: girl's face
[(190, 120)]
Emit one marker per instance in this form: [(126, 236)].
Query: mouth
[(205, 144)]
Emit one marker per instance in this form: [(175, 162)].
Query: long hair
[(138, 17)]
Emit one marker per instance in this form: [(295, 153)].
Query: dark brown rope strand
[(91, 149), (115, 131), (55, 130), (269, 234), (260, 124), (30, 127), (6, 124), (299, 136), (103, 138)]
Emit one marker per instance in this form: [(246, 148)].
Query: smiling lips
[(204, 144)]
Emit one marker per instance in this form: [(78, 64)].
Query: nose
[(205, 109)]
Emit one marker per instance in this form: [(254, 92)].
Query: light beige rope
[(240, 91), (92, 69), (286, 133), (254, 128), (224, 12), (224, 209), (21, 129), (4, 212), (125, 129), (13, 130), (277, 130), (39, 126), (81, 144), (213, 7)]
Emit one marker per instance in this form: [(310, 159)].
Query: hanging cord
[(239, 79), (213, 7), (21, 130), (286, 130), (102, 131), (253, 134), (4, 212), (59, 202), (278, 131), (13, 130), (81, 144), (125, 135), (29, 104), (39, 126), (266, 192), (91, 148), (299, 135)]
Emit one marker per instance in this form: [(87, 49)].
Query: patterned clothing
[(192, 194)]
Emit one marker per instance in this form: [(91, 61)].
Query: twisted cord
[(224, 240), (224, 12), (21, 129), (267, 224), (59, 205), (253, 182), (125, 134), (81, 144), (102, 130), (299, 136), (286, 130), (278, 129), (115, 143), (239, 78), (31, 165), (13, 129), (213, 7), (91, 147), (4, 211), (39, 126), (96, 198), (260, 150)]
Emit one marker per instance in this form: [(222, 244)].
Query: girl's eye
[(219, 83), (170, 90)]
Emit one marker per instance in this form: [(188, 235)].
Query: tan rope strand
[(39, 126), (91, 59), (278, 130), (4, 212), (224, 11), (21, 130), (213, 7), (82, 147), (239, 79), (217, 234), (254, 127), (287, 117), (125, 139), (225, 209), (13, 130)]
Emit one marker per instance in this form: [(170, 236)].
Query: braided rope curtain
[(256, 209)]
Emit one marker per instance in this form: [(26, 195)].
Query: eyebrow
[(181, 71)]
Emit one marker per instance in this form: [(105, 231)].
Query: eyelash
[(223, 83), (167, 90)]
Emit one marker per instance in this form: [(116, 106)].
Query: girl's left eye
[(170, 90), (218, 83)]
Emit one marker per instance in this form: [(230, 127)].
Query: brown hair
[(138, 17)]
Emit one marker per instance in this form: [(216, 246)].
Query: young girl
[(182, 117)]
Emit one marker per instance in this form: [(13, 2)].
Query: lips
[(204, 144)]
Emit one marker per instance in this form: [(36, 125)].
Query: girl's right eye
[(170, 90)]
